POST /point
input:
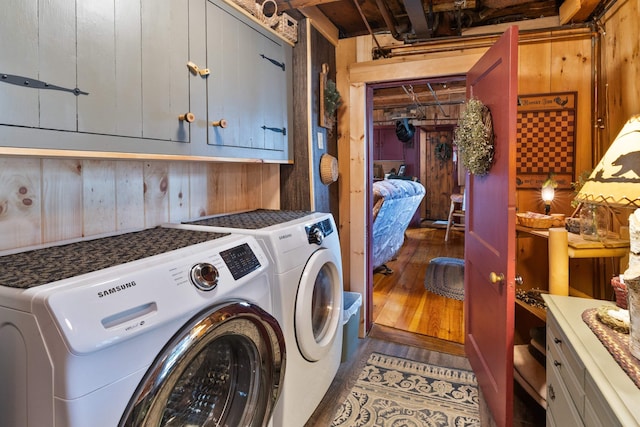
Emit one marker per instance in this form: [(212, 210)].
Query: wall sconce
[(548, 192)]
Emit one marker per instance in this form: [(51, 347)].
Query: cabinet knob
[(551, 393), (220, 123), (496, 278), (557, 340), (557, 364), (187, 117)]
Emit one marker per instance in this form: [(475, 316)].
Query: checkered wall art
[(546, 135)]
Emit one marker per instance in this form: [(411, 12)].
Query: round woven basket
[(534, 222), (328, 169)]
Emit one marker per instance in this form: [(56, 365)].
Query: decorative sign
[(546, 135)]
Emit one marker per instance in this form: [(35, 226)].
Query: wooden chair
[(456, 214)]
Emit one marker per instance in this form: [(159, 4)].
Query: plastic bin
[(350, 322)]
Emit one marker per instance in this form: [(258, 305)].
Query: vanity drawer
[(562, 359), (560, 408)]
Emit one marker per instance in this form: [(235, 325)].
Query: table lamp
[(615, 182)]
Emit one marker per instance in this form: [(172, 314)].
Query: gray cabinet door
[(274, 94), (248, 87), (37, 42), (132, 57)]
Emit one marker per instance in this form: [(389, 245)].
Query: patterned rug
[(391, 391), (445, 276)]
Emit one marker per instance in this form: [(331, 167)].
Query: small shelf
[(530, 374), (540, 313)]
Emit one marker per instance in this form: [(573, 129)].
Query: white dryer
[(308, 290), (157, 327)]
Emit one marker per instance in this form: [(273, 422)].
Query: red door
[(490, 235)]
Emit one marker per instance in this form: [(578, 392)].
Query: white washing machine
[(158, 327), (305, 251)]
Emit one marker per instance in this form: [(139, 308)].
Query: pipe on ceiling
[(388, 19), (366, 23)]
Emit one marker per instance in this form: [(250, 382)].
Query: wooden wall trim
[(108, 155)]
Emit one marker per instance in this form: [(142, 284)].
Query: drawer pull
[(557, 364), (552, 394), (557, 340)]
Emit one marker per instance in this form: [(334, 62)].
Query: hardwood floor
[(400, 299), (404, 326)]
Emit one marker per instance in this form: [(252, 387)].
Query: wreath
[(443, 151), (474, 138)]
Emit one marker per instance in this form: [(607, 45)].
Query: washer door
[(318, 305), (224, 368)]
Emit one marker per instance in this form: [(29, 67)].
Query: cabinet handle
[(220, 123), (273, 61), (197, 70), (557, 340), (552, 394), (280, 130), (187, 117), (557, 364)]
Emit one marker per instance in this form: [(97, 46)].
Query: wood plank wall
[(45, 200), (619, 82), (302, 188)]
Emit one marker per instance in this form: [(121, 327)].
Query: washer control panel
[(240, 260)]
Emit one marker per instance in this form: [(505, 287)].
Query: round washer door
[(318, 311), (224, 368)]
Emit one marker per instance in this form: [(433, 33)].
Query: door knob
[(496, 278), (188, 117), (220, 123)]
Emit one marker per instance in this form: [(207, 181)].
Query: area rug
[(391, 391), (445, 276)]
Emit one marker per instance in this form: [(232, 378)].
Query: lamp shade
[(615, 181)]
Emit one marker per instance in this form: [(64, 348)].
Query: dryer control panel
[(318, 231)]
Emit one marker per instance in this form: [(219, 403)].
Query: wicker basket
[(288, 27), (620, 290), (535, 222), (248, 5), (267, 13)]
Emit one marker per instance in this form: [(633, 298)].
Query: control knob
[(316, 236), (204, 276)]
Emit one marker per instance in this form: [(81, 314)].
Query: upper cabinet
[(248, 89), (113, 77)]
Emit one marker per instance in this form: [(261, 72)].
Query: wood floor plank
[(400, 299)]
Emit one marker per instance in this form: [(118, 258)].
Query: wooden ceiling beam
[(576, 10)]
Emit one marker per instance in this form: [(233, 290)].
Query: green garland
[(332, 99), (474, 138)]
